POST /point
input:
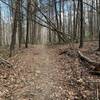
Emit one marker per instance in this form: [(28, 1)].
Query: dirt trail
[(40, 73), (37, 73)]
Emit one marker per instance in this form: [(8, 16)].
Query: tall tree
[(0, 28), (20, 20), (28, 18), (99, 24), (81, 27), (91, 21), (14, 29), (74, 21)]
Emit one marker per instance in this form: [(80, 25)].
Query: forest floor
[(41, 73)]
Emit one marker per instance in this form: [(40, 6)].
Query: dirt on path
[(40, 73), (35, 76)]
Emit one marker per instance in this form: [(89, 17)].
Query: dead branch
[(91, 62), (63, 52), (5, 62)]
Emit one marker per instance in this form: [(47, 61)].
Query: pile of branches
[(93, 66), (5, 63)]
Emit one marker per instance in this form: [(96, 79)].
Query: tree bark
[(81, 27)]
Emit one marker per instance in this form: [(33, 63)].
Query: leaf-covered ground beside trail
[(40, 73)]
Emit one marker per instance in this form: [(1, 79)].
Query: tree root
[(96, 65)]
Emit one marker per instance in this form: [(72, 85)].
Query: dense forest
[(50, 49), (62, 21)]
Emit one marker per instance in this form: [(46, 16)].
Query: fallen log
[(5, 62), (91, 62), (63, 52)]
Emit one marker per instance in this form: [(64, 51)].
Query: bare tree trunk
[(49, 23), (74, 21), (90, 18), (81, 28), (56, 17), (20, 19), (0, 28), (99, 24), (63, 15), (77, 22), (14, 30), (28, 16), (60, 20)]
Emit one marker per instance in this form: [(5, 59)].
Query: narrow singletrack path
[(37, 72), (41, 73)]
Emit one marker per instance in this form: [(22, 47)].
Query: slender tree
[(0, 28), (28, 16), (14, 29), (99, 24), (20, 20), (81, 27)]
